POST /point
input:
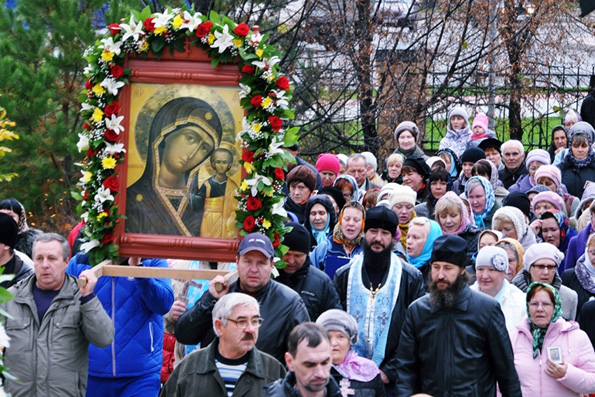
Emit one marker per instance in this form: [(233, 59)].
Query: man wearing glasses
[(541, 263), (280, 306), (231, 364)]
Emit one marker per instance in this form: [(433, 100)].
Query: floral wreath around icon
[(264, 95)]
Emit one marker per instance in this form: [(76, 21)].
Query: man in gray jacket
[(51, 325), (231, 364)]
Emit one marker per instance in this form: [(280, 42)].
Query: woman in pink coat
[(552, 356)]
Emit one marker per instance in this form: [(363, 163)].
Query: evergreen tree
[(41, 58)]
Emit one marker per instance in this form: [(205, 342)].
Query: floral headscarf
[(465, 220), (426, 253), (455, 163), (490, 199), (563, 224), (539, 333), (338, 235)]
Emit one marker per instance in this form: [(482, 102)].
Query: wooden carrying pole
[(105, 268)]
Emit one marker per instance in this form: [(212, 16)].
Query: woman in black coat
[(578, 166)]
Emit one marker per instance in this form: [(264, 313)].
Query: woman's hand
[(536, 226), (556, 370)]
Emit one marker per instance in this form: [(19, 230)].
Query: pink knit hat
[(550, 197), (328, 162), (482, 121), (549, 171)]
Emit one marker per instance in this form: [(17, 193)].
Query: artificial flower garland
[(264, 94)]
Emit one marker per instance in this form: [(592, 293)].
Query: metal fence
[(547, 99)]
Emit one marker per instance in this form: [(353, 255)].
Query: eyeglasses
[(242, 323), (543, 267), (545, 305)]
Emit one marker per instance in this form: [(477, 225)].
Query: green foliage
[(41, 43)]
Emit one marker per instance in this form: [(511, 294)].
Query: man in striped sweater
[(231, 365)]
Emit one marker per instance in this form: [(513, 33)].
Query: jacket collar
[(253, 367), (24, 290)]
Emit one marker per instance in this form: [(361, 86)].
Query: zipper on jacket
[(151, 333), (114, 321)]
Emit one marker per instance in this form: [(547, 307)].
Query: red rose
[(107, 238), (283, 83), (88, 84), (242, 30), (277, 241), (86, 196), (275, 122), (110, 135), (111, 183), (90, 153), (86, 126), (248, 156), (149, 25), (204, 29), (248, 69), (249, 223), (114, 29), (111, 109), (256, 101), (116, 71), (253, 204), (279, 174)]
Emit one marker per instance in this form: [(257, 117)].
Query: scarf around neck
[(357, 368), (537, 332)]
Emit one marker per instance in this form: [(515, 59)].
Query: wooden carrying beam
[(105, 268)]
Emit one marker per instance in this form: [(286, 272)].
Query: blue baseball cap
[(257, 242)]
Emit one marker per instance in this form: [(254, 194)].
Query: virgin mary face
[(186, 148)]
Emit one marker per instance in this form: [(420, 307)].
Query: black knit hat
[(519, 200), (8, 230), (450, 248), (490, 143), (419, 164), (472, 155), (298, 239), (383, 218), (334, 193)]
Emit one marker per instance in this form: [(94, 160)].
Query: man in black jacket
[(454, 340), (313, 285), (280, 307), (380, 287)]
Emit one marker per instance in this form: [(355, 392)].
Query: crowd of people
[(466, 273)]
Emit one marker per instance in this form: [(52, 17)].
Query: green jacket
[(198, 372), (51, 357)]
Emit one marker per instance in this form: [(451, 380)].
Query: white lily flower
[(113, 123), (278, 209), (275, 148), (83, 143), (134, 30), (244, 90), (267, 63), (115, 148), (88, 246), (190, 21), (103, 194), (87, 70), (86, 106), (161, 20), (108, 45), (254, 183), (111, 85), (223, 40)]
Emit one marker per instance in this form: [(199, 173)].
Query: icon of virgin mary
[(183, 134)]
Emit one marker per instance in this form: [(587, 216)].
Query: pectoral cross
[(344, 388)]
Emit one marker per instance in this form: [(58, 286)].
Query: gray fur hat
[(338, 320), (407, 126)]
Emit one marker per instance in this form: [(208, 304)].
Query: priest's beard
[(446, 298), (379, 260)]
